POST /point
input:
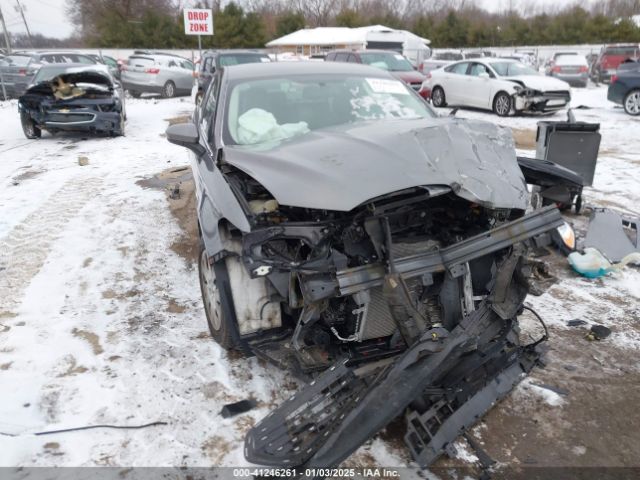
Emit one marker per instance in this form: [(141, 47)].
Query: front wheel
[(169, 90), (632, 103), (30, 129), (502, 104), (438, 98), (220, 325), (119, 132)]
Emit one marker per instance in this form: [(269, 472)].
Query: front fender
[(216, 203)]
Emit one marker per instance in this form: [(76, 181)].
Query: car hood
[(341, 168), (539, 82), (90, 79)]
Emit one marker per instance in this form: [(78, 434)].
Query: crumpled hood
[(542, 83), (93, 79), (341, 168)]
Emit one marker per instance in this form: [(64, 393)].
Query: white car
[(502, 85)]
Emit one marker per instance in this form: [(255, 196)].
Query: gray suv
[(19, 68), (166, 74)]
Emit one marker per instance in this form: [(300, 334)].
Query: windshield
[(629, 51), (393, 62), (267, 110), (512, 69), (18, 60), (227, 60)]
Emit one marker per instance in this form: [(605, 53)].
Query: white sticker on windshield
[(384, 85), (398, 56)]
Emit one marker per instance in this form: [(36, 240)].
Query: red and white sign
[(198, 21)]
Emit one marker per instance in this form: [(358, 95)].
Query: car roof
[(364, 50), (51, 66), (59, 52), (277, 69), (141, 53), (225, 51)]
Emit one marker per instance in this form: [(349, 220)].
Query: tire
[(120, 131), (169, 90), (30, 129), (438, 98), (135, 94), (221, 327), (502, 104), (631, 103), (577, 206)]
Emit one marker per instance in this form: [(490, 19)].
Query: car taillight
[(152, 70), (556, 69), (22, 71), (584, 69), (614, 79)]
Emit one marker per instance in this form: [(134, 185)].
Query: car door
[(478, 86), (454, 81)]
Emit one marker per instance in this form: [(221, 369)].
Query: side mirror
[(484, 75), (185, 135), (212, 70)]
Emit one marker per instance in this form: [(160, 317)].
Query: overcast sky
[(48, 17)]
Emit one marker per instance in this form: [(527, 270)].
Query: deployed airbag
[(259, 126)]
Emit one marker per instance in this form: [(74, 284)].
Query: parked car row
[(502, 85)]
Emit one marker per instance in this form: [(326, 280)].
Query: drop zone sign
[(198, 21)]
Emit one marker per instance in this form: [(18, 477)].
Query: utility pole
[(21, 10), (6, 33)]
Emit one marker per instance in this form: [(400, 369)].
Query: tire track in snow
[(24, 249)]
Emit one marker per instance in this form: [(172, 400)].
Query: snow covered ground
[(101, 321)]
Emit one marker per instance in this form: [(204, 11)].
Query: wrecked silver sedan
[(372, 248), (73, 97)]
